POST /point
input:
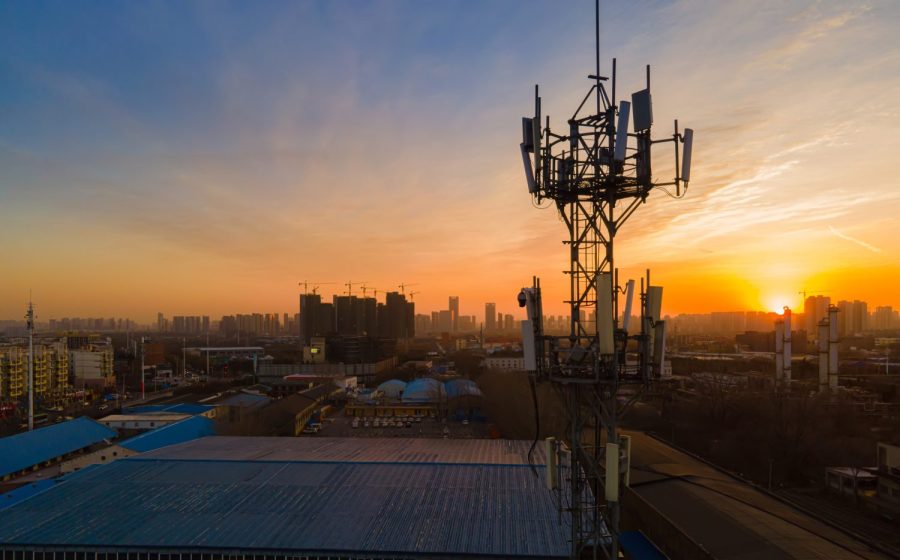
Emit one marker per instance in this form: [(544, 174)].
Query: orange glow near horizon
[(381, 145)]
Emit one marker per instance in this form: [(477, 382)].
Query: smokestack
[(779, 353), (823, 355), (787, 346), (833, 347)]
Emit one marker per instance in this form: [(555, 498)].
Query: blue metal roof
[(27, 449), (462, 388), (24, 492), (179, 408), (179, 432), (303, 507), (638, 546), (423, 389)]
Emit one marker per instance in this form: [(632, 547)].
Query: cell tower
[(597, 173)]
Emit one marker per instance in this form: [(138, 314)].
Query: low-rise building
[(92, 365), (51, 370), (505, 361)]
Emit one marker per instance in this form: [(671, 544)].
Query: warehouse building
[(28, 451), (230, 497)]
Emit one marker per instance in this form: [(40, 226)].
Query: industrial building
[(28, 451), (424, 396), (350, 498)]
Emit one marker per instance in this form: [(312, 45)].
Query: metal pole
[(143, 393), (30, 317)]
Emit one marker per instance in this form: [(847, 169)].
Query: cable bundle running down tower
[(597, 172)]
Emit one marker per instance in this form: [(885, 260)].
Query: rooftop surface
[(27, 449), (176, 408), (179, 432), (373, 450), (145, 417), (350, 508), (729, 518)]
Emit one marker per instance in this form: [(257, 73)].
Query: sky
[(205, 157)]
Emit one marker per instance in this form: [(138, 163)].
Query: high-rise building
[(445, 321), (815, 308), (316, 318), (490, 317), (423, 323), (397, 318), (454, 312), (852, 317), (883, 318)]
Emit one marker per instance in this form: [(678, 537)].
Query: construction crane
[(350, 284), (411, 294), (814, 293), (365, 288), (306, 284), (404, 286)]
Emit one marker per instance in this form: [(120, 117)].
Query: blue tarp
[(424, 389), (27, 449), (462, 388)]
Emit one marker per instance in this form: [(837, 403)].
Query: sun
[(777, 304)]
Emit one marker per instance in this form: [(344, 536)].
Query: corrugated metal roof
[(178, 408), (179, 432), (27, 449), (246, 400), (376, 450), (304, 507), (24, 492)]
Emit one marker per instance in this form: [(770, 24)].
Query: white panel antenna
[(606, 342), (629, 296), (622, 131), (528, 346), (611, 488), (529, 172), (654, 302), (686, 155)]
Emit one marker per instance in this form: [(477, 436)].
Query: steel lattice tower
[(596, 181)]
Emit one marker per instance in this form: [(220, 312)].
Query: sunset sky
[(204, 157)]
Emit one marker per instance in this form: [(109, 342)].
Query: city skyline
[(881, 317), (138, 178)]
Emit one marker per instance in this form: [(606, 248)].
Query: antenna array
[(597, 173)]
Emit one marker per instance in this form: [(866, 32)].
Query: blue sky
[(197, 157)]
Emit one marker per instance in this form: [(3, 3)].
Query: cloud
[(859, 242)]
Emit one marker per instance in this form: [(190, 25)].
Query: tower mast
[(596, 181)]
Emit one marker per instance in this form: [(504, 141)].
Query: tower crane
[(350, 284), (306, 284), (404, 286), (411, 294)]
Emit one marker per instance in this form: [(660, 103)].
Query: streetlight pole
[(30, 324), (143, 393)]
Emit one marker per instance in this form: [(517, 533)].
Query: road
[(731, 519)]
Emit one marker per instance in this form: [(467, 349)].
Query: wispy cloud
[(859, 242)]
